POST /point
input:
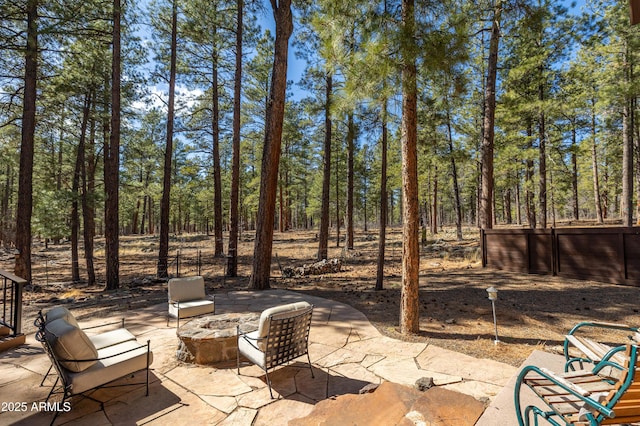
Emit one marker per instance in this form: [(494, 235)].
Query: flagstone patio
[(346, 351)]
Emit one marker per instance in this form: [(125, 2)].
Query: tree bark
[(627, 166), (574, 171), (88, 207), (454, 177), (486, 194), (232, 251), (542, 172), (594, 166), (25, 178), (112, 164), (218, 249), (272, 145), (351, 136), (434, 200), (163, 254), (75, 190), (383, 199), (323, 239), (409, 298), (529, 198), (337, 180)]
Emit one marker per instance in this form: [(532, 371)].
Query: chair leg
[(53, 388), (55, 416), (310, 367), (148, 353), (46, 375), (266, 372), (238, 359)]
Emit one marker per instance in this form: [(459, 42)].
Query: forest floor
[(533, 312)]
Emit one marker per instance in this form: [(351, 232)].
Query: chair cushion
[(191, 308), (70, 343), (184, 289), (60, 312), (277, 312), (110, 338), (110, 369)]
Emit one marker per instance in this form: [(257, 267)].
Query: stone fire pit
[(213, 338)]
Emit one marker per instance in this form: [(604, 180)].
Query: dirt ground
[(533, 312)]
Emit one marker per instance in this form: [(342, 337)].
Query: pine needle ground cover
[(533, 312)]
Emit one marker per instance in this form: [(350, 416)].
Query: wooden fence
[(599, 254)]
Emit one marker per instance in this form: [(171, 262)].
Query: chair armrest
[(121, 322), (577, 391), (106, 357), (598, 324), (595, 324), (253, 341)]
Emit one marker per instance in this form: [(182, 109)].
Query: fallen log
[(319, 268)]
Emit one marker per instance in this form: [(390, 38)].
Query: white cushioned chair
[(282, 335), (99, 340), (82, 365), (187, 298)]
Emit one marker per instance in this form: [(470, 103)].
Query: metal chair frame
[(65, 388), (286, 340), (592, 399)]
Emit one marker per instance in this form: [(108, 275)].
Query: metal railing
[(12, 288)]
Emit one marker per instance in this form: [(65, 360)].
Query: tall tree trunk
[(594, 166), (337, 169), (323, 239), (112, 164), (218, 249), (518, 202), (4, 209), (75, 190), (627, 166), (88, 205), (88, 197), (25, 179), (542, 172), (454, 177), (636, 144), (486, 194), (409, 298), (383, 198), (434, 200), (574, 171), (163, 255), (136, 214), (60, 149), (529, 197), (281, 214), (152, 223), (232, 251), (272, 145), (351, 136)]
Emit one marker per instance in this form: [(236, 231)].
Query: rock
[(442, 407), (450, 321), (371, 387), (424, 383), (395, 404)]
